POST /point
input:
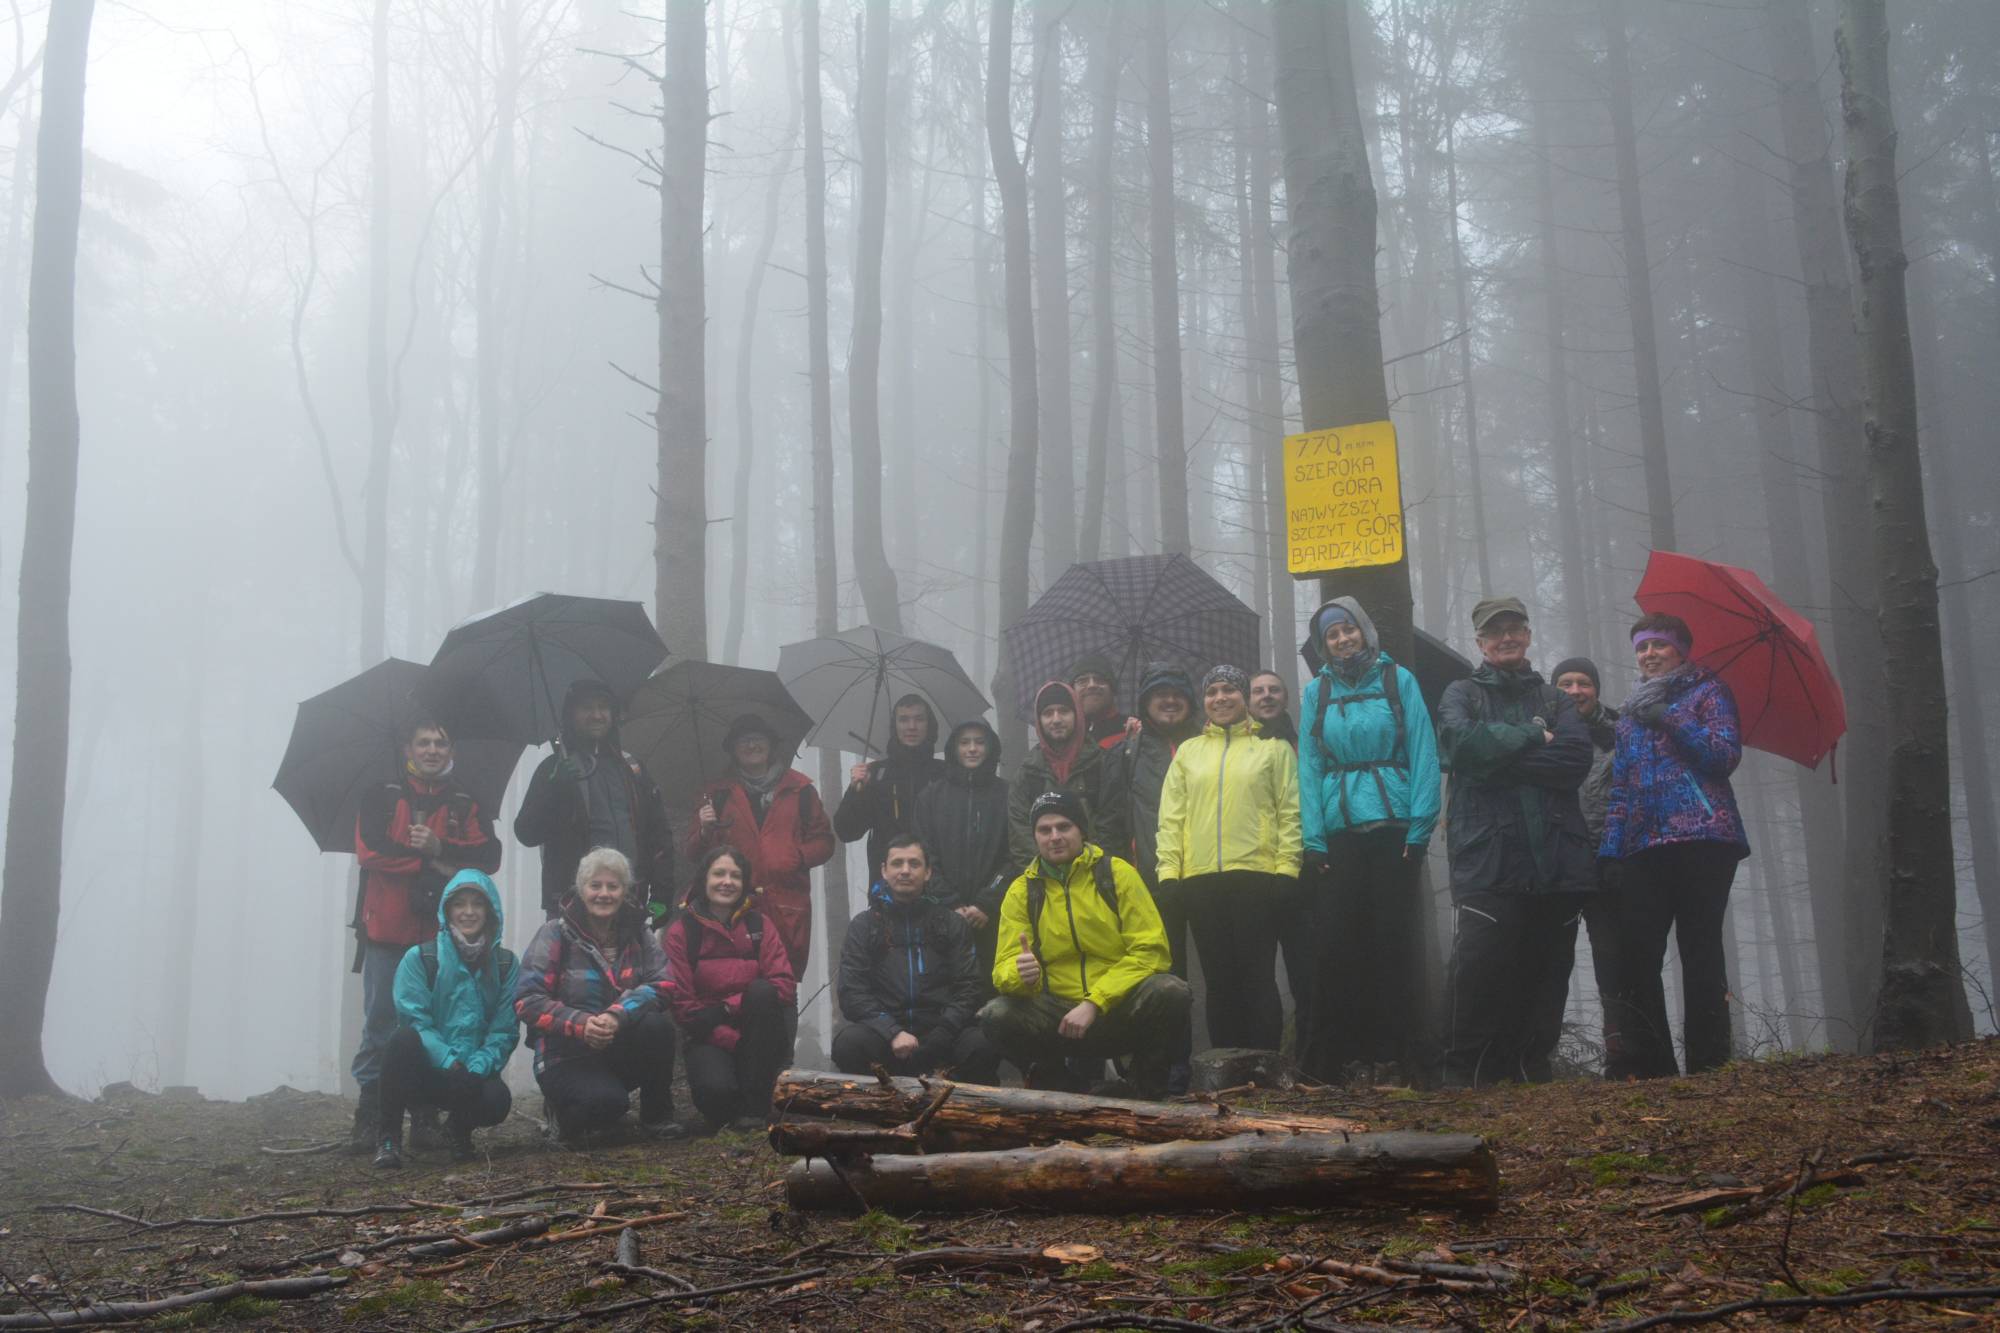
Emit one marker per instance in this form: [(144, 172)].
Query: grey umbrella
[(849, 684)]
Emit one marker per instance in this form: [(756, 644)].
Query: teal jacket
[(1361, 730), (465, 1018)]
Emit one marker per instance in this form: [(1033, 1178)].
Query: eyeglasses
[(1089, 679), (1499, 632)]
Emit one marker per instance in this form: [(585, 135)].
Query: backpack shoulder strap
[(427, 953), (1107, 883), (1326, 755), (692, 931), (503, 958), (1392, 691), (1038, 893)]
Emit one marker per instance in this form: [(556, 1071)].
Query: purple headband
[(1664, 636)]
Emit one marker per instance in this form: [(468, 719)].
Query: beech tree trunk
[(381, 396), (1477, 490), (1330, 253), (1562, 443), (1267, 390), (1920, 975), (31, 884), (1051, 260), (1106, 64), (496, 189), (1169, 409), (1249, 1171), (864, 362), (680, 508)]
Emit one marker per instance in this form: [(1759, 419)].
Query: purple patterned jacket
[(1670, 780)]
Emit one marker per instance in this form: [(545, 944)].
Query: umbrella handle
[(867, 745)]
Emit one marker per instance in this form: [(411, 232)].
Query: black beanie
[(1583, 664), (1059, 803)]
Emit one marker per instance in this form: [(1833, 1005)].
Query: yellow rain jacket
[(1088, 951), (1231, 802)]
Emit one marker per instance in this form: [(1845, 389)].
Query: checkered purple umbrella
[(1147, 608)]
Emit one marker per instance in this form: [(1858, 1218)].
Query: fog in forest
[(267, 300)]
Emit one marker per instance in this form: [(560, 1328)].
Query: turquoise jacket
[(1333, 799), (465, 1018)]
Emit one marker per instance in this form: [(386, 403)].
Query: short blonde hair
[(603, 858)]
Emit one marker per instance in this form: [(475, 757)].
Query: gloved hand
[(1313, 867), (567, 769), (1647, 714)]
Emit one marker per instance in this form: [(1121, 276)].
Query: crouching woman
[(454, 1000), (733, 993)]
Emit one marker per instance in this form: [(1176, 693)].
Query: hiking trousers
[(410, 1079), (726, 1084), (1511, 957), (858, 1048), (1234, 918), (1362, 920), (378, 1008), (1682, 887), (590, 1092), (1149, 1024)]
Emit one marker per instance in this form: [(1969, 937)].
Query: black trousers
[(410, 1079), (857, 1049), (1233, 917), (1172, 903), (1362, 921), (1607, 948), (1302, 955), (1682, 887), (1511, 957), (728, 1084), (590, 1092)]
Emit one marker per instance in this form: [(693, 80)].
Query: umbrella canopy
[(1438, 664), (1147, 608), (502, 674), (676, 722), (1767, 653), (350, 739), (849, 684)]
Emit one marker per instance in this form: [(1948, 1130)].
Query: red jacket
[(708, 993), (399, 890), (794, 837)]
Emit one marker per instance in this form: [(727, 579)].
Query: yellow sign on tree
[(1343, 499)]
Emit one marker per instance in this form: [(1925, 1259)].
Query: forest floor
[(1885, 1173)]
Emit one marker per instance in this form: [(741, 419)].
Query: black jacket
[(1142, 762), (554, 819), (1095, 777), (962, 819), (1514, 824), (910, 969), (888, 804)]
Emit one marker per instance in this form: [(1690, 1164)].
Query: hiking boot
[(425, 1136), (388, 1155), (366, 1132), (459, 1136)]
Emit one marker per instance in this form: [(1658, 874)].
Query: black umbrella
[(503, 674), (1437, 664), (350, 739), (676, 722), (1148, 608)]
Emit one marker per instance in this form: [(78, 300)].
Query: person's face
[(428, 752), (1344, 639), (913, 723), (753, 754), (971, 749), (603, 894), (1057, 839), (1656, 656), (467, 913), (591, 717), (1580, 691), (1504, 642), (1093, 693), (1167, 708), (906, 872), (724, 884), (1267, 697), (1224, 702), (1058, 723)]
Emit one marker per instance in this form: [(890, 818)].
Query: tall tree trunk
[(1477, 496), (1017, 520), (1581, 624), (496, 189), (1920, 939), (1638, 280), (1774, 879), (10, 257), (1267, 402), (1852, 911), (1106, 62), (381, 393), (31, 890), (680, 507), (982, 294), (1330, 253), (864, 360), (1051, 260), (175, 1010), (1170, 433)]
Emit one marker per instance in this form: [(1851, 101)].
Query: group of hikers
[(1046, 920)]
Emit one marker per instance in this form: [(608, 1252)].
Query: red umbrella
[(1767, 653)]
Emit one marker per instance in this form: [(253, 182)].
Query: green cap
[(1489, 609)]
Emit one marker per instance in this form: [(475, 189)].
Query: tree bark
[(1267, 400), (31, 889), (1249, 1171), (381, 393), (1638, 280), (1169, 408), (496, 189), (680, 508), (1920, 970), (1562, 443), (1336, 325), (977, 1116), (1017, 520), (1106, 63), (1051, 261), (864, 361), (1477, 490)]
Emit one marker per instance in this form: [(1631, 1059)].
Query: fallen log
[(1246, 1171), (464, 1242), (126, 1312), (977, 1116), (992, 1258)]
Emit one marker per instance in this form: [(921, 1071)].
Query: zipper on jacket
[(1221, 771), (913, 962)]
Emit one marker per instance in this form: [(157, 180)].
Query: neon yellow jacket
[(1231, 802), (1088, 952)]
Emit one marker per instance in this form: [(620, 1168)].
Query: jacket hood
[(577, 689), (896, 749), (987, 767), (1166, 676), (480, 880), (880, 897), (1353, 609)]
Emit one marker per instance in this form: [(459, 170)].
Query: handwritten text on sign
[(1343, 499)]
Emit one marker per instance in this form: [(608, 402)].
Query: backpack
[(1399, 753), (427, 954), (753, 920), (1038, 893)]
